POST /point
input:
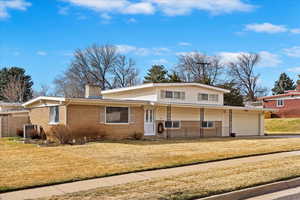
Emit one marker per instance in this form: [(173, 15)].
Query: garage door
[(245, 123)]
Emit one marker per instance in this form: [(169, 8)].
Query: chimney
[(92, 92)]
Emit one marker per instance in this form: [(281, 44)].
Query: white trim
[(149, 85), (110, 123), (61, 99)]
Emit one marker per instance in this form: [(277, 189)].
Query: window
[(214, 97), (54, 114), (208, 97), (169, 94), (172, 124), (117, 115), (207, 124), (172, 94), (203, 97), (280, 103)]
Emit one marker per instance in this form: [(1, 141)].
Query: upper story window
[(53, 114), (167, 94), (208, 97), (280, 103), (117, 115)]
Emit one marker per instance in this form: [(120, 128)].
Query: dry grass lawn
[(282, 126), (26, 165), (194, 185)]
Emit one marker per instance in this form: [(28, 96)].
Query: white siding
[(147, 94)]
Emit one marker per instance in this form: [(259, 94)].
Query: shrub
[(33, 134), (60, 133), (138, 135), (20, 132)]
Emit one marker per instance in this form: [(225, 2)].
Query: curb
[(256, 191)]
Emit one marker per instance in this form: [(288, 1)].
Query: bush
[(138, 136), (60, 133), (33, 134), (20, 132)]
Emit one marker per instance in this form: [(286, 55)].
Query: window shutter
[(162, 94), (131, 115), (182, 95), (102, 115)]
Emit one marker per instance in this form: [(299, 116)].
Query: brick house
[(166, 110), (287, 105)]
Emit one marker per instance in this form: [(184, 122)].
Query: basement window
[(54, 115), (207, 124), (280, 103), (172, 124)]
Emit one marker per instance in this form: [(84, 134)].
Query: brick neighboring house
[(287, 105)]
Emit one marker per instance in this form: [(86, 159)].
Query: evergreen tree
[(234, 97), (7, 73), (174, 78), (282, 84), (157, 74)]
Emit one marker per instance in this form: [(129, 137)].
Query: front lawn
[(197, 184), (27, 165), (282, 126)]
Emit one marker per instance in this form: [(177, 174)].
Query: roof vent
[(93, 92)]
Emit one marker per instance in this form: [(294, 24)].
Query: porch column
[(169, 118), (201, 120), (230, 122)]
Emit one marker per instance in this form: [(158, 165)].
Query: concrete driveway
[(289, 194)]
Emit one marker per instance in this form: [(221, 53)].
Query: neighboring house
[(12, 118), (179, 109), (287, 105)]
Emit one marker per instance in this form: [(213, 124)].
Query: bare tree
[(44, 90), (242, 71), (197, 67), (15, 89), (97, 65), (125, 74)]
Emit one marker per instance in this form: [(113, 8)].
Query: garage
[(246, 123)]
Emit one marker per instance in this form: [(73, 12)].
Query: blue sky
[(40, 35)]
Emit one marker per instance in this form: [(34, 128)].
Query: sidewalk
[(131, 177)]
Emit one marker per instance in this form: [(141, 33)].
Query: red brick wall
[(291, 108)]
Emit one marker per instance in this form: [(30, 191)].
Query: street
[(289, 194)]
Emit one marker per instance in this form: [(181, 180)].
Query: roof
[(2, 103), (149, 85), (139, 102), (292, 94)]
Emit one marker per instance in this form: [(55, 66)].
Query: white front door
[(149, 122)]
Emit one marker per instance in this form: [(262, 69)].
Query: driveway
[(289, 194)]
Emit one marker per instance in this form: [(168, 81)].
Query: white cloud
[(270, 28), (294, 69), (128, 49), (183, 7), (131, 20), (184, 44), (168, 7), (266, 28), (63, 10), (161, 61), (267, 59), (6, 5), (41, 53), (293, 51)]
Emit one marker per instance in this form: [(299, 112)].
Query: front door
[(149, 122)]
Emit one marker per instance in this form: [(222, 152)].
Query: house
[(287, 105), (12, 118), (166, 110)]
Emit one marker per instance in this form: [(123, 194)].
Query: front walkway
[(132, 177)]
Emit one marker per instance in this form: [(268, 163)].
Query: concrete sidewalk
[(132, 177)]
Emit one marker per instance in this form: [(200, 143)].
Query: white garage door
[(245, 123)]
